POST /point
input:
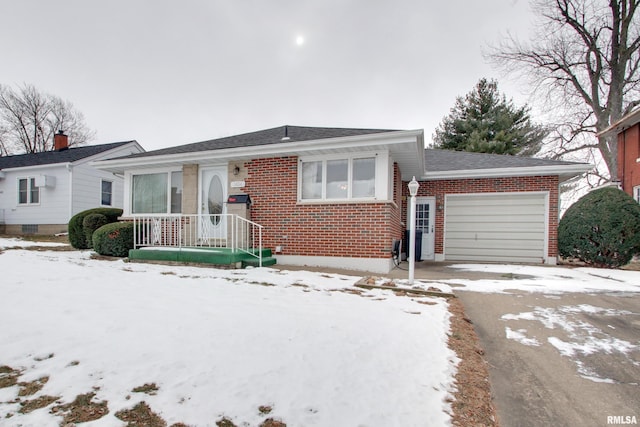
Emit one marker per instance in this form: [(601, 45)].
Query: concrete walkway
[(424, 270)]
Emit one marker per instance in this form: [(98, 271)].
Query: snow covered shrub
[(77, 236), (114, 239), (91, 223), (601, 229)]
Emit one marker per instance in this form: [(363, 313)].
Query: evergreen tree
[(485, 122)]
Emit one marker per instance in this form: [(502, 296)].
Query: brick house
[(338, 197), (627, 130)]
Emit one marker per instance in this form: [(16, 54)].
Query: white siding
[(506, 227), (56, 204), (53, 207), (87, 188)]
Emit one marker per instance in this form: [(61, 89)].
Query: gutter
[(505, 172)]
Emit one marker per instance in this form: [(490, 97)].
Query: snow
[(520, 337), (583, 338), (220, 343), (14, 242), (546, 279)]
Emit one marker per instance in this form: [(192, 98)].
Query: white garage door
[(509, 227)]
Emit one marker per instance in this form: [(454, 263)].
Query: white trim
[(102, 180), (37, 167), (508, 172), (298, 148), (623, 124), (370, 265), (545, 253), (381, 179), (128, 184), (431, 201), (29, 190), (107, 153)]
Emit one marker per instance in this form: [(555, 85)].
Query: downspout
[(624, 158), (70, 170)]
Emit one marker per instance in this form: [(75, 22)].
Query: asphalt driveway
[(560, 360)]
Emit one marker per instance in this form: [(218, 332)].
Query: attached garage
[(503, 227)]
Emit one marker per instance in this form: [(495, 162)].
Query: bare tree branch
[(585, 54), (30, 118)]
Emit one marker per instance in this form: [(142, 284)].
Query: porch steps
[(254, 262), (201, 255)]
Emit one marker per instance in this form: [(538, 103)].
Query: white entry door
[(213, 197), (425, 222)]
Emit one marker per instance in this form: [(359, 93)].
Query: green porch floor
[(202, 255)]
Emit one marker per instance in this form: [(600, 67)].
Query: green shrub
[(601, 229), (91, 223), (77, 236), (114, 239)]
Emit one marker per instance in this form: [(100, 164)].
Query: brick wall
[(488, 185), (628, 152), (363, 230)]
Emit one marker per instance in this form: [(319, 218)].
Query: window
[(311, 180), (28, 191), (338, 179), (636, 193), (176, 192), (157, 193), (106, 193)]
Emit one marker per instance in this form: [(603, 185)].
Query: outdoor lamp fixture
[(236, 170), (413, 190)]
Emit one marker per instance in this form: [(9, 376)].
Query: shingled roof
[(437, 160), (53, 157), (277, 135)]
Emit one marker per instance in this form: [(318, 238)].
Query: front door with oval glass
[(213, 195)]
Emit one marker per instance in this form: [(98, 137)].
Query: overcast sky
[(173, 72)]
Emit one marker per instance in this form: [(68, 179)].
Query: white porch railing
[(210, 231)]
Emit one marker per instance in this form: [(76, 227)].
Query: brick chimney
[(60, 141)]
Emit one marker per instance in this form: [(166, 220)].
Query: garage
[(503, 227)]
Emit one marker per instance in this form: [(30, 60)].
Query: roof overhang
[(623, 124), (38, 167), (564, 172), (406, 148)]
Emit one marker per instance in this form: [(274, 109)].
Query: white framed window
[(159, 192), (636, 193), (339, 178), (106, 193), (28, 191)]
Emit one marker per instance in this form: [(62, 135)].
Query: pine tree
[(485, 122)]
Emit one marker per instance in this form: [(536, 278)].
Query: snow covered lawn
[(218, 344)]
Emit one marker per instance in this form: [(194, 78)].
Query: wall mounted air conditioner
[(45, 181)]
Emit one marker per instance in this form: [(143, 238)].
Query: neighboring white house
[(40, 192)]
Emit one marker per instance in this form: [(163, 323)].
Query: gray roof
[(53, 157), (262, 137), (437, 160)]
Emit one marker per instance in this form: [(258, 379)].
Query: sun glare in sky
[(299, 40)]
